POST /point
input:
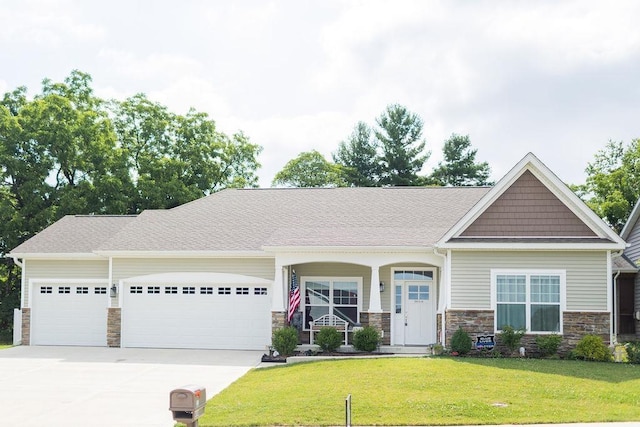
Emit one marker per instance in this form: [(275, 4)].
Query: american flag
[(294, 296)]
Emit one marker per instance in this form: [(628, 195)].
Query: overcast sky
[(557, 78)]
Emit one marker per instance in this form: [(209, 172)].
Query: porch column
[(375, 306), (277, 294)]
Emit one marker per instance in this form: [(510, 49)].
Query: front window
[(338, 296), (528, 300)]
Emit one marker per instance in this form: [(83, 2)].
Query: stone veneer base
[(575, 326)]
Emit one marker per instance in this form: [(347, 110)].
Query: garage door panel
[(212, 317), (69, 314)]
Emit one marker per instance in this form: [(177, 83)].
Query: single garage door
[(205, 314), (70, 313)]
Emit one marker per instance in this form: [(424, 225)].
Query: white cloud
[(49, 23)]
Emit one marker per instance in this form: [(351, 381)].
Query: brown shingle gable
[(528, 209)]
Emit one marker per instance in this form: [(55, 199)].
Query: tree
[(459, 167), (613, 182), (310, 169), (175, 159), (358, 156), (399, 133), (69, 152)]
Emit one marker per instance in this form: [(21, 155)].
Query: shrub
[(633, 352), (461, 342), (591, 347), (548, 344), (329, 339), (366, 339), (511, 338), (285, 340)]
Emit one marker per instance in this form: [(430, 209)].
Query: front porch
[(398, 294)]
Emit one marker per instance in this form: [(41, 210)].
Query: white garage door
[(69, 313), (196, 315)]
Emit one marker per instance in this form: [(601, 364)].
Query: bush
[(329, 339), (511, 338), (285, 340), (548, 344), (366, 339), (591, 347), (461, 342), (633, 352)]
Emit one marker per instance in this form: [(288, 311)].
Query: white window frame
[(528, 273), (331, 279)]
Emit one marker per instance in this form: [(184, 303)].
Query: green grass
[(3, 346), (434, 391)]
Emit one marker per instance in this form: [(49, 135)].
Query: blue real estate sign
[(485, 342)]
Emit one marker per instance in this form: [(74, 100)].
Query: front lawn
[(434, 391), (3, 346)]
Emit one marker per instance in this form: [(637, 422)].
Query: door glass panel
[(424, 293), (398, 299), (413, 293)]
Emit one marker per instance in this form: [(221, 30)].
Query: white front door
[(414, 318)]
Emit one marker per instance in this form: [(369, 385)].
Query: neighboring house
[(627, 281), (416, 263)]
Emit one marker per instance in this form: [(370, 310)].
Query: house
[(627, 281), (416, 263)]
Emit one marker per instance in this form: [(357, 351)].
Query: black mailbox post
[(187, 404)]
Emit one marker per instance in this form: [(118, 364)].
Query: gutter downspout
[(614, 303), (445, 291), (16, 262)]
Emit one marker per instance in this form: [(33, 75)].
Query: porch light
[(113, 291), (381, 286)]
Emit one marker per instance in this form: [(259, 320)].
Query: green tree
[(459, 167), (310, 169), (613, 182), (399, 133), (358, 156), (69, 152), (174, 159)]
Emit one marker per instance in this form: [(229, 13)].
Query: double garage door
[(235, 314)]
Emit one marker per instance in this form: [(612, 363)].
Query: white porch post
[(277, 301), (375, 306)]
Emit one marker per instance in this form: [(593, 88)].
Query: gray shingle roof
[(247, 220), (74, 234), (250, 219)]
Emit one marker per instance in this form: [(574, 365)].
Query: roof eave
[(55, 255), (533, 246), (182, 254), (324, 249)]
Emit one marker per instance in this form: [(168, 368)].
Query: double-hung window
[(530, 300), (341, 296)]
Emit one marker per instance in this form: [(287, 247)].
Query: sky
[(556, 78)]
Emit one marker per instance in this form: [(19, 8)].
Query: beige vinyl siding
[(132, 267), (586, 276), (64, 269), (335, 269), (353, 270)]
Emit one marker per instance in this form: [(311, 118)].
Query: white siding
[(65, 269), (133, 267), (586, 276)]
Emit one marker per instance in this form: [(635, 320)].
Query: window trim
[(331, 279), (495, 272)]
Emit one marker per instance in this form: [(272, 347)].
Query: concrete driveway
[(82, 386)]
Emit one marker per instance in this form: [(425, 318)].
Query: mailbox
[(187, 403)]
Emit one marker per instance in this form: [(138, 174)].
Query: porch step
[(387, 349)]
